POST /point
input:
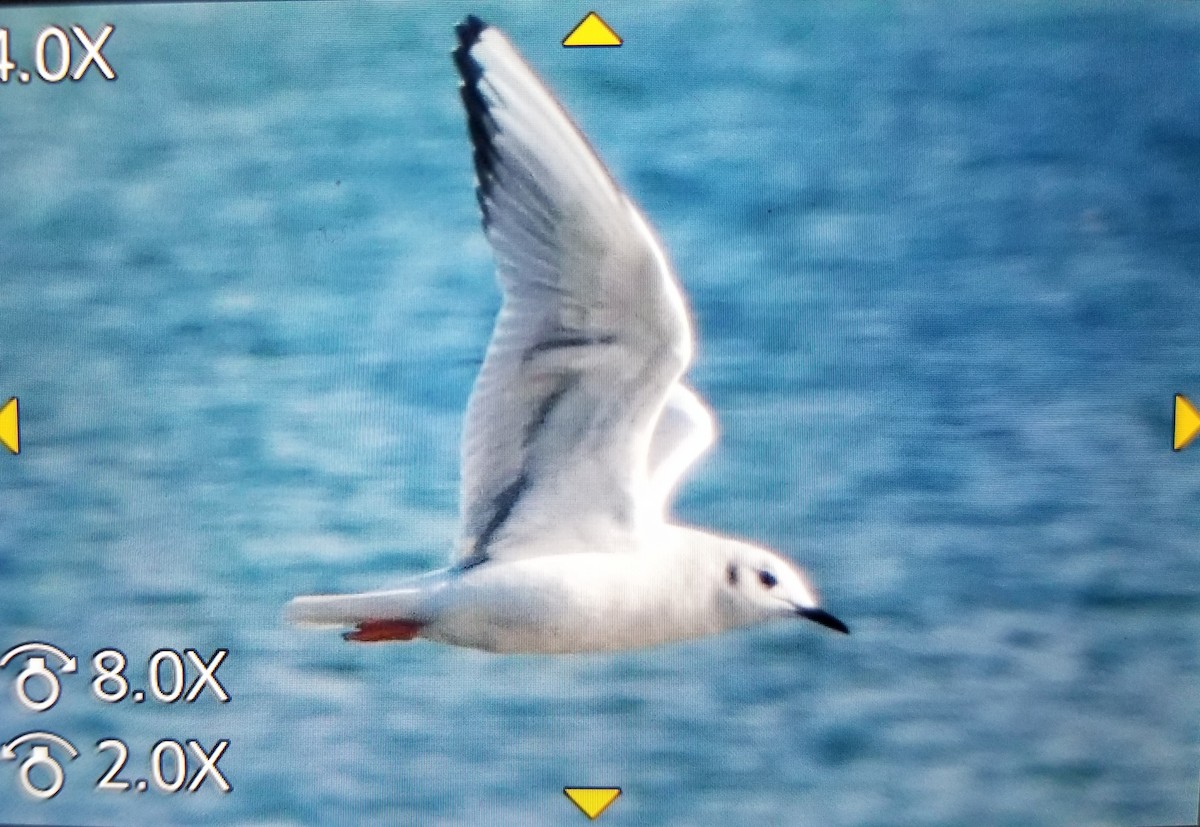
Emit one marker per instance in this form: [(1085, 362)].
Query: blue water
[(945, 269)]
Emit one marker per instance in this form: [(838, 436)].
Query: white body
[(577, 602)]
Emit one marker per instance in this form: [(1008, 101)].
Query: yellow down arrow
[(592, 800), (10, 426), (1187, 422), (592, 31)]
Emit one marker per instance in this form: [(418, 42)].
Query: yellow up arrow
[(592, 800), (592, 31), (1187, 422), (10, 426)]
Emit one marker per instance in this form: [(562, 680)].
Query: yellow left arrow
[(10, 426)]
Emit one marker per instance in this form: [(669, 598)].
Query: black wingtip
[(825, 619), (468, 35), (479, 124), (469, 31)]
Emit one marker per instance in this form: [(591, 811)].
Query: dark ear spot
[(731, 574)]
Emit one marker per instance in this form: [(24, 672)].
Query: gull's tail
[(407, 602), (332, 609), (375, 616)]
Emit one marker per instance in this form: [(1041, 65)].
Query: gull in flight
[(579, 426)]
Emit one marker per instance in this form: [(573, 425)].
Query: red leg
[(373, 631)]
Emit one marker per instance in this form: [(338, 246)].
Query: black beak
[(824, 618)]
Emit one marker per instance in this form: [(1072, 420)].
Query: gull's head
[(761, 585)]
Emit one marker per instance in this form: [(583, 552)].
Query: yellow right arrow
[(1187, 422), (10, 426), (592, 800)]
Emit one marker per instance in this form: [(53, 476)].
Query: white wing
[(592, 336), (685, 430)]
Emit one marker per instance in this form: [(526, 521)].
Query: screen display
[(431, 413)]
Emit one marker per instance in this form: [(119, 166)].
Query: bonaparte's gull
[(579, 425)]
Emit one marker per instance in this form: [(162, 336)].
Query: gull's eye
[(767, 579)]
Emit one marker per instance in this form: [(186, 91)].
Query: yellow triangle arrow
[(10, 426), (592, 800), (592, 31), (1187, 422)]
